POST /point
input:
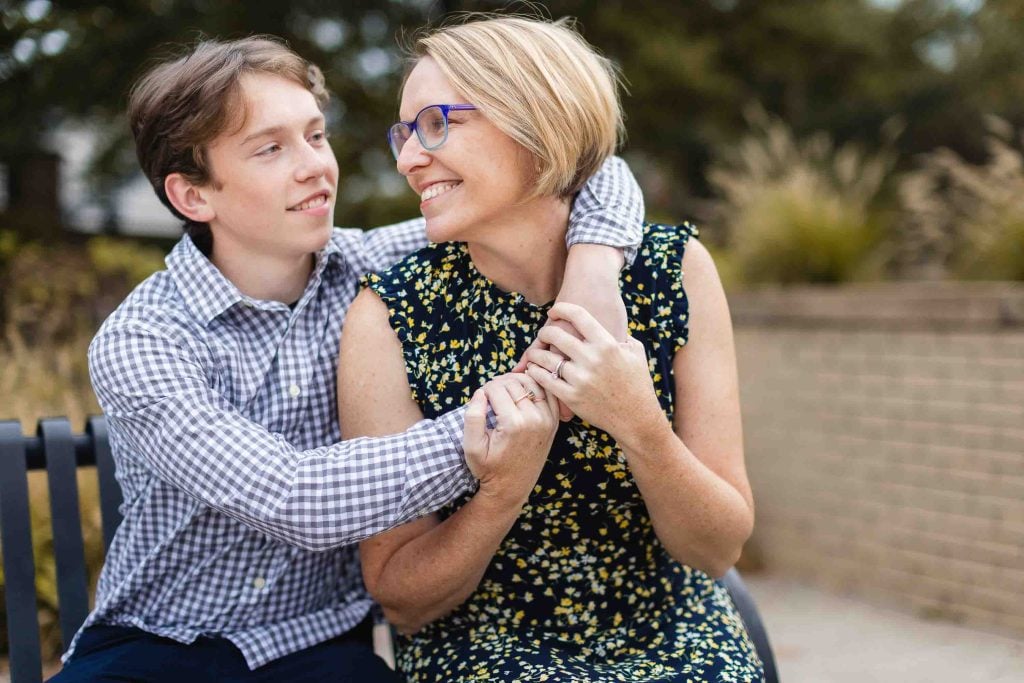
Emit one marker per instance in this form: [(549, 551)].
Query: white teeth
[(435, 190), (317, 201)]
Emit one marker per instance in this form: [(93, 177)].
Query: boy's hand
[(508, 459)]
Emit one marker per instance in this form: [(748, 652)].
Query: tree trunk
[(33, 202)]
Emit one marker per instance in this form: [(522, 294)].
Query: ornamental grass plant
[(799, 210), (966, 220)]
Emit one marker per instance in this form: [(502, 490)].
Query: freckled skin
[(581, 588)]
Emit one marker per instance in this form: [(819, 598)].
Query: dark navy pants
[(117, 653)]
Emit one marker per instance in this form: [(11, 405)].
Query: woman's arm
[(693, 478), (421, 570)]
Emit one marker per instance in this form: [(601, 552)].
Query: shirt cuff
[(454, 423)]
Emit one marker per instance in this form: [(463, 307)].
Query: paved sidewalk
[(823, 638)]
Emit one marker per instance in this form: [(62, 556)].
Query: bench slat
[(19, 567), (110, 491), (68, 545)]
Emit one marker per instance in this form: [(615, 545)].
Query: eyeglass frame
[(411, 125)]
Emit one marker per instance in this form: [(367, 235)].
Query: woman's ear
[(189, 199)]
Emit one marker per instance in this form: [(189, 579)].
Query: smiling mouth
[(438, 189), (313, 203)]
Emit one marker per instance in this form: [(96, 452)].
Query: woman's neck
[(526, 253)]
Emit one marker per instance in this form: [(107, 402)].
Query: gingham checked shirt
[(241, 506)]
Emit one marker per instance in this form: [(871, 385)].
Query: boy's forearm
[(592, 280), (162, 410)]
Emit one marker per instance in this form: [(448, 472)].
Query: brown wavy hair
[(181, 105)]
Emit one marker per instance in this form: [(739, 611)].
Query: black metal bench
[(60, 452)]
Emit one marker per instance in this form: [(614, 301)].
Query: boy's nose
[(314, 163)]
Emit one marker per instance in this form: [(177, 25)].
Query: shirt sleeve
[(162, 409), (609, 210), (387, 245)]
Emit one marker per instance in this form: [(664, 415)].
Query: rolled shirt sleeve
[(159, 401), (609, 210)]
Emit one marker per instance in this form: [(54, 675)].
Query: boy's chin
[(321, 237), (311, 244), (328, 228)]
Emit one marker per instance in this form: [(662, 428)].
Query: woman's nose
[(412, 156)]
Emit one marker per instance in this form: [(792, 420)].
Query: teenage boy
[(236, 556)]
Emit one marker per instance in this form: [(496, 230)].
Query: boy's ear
[(187, 198)]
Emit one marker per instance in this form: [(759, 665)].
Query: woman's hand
[(508, 459), (605, 382), (591, 281)]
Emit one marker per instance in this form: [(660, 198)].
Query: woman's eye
[(319, 136)]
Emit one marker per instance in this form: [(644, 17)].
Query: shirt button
[(259, 582), (294, 390)]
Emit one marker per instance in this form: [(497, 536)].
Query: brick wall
[(884, 430)]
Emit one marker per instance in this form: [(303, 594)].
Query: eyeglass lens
[(431, 128)]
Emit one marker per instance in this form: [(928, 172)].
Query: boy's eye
[(268, 150), (319, 136)]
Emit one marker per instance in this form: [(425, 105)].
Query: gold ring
[(558, 370), (528, 394)]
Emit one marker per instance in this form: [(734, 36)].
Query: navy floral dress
[(581, 589)]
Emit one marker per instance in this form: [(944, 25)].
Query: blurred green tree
[(839, 66), (78, 60)]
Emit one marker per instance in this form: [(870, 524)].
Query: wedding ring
[(529, 394), (558, 370)]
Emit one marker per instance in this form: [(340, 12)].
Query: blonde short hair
[(541, 84)]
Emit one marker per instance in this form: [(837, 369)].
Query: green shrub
[(799, 210), (53, 293)]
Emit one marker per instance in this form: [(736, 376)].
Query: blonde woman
[(596, 562)]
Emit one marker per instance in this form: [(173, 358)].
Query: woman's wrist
[(641, 437), (496, 502)]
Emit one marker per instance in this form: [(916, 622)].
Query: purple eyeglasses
[(430, 126)]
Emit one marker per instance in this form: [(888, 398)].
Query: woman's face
[(475, 179)]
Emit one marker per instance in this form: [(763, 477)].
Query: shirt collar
[(331, 252), (208, 293)]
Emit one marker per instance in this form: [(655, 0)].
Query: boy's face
[(275, 178)]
